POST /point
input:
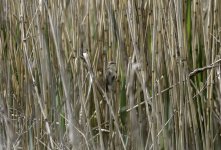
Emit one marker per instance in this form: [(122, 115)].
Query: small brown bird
[(110, 76)]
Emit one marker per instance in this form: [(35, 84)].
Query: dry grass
[(53, 59)]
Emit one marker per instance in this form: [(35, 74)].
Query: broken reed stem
[(191, 74), (199, 70)]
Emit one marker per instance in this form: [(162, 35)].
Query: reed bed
[(54, 57)]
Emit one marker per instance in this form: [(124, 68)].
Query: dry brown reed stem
[(102, 91), (42, 107), (199, 70), (91, 76), (53, 59)]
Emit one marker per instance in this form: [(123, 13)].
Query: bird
[(110, 75)]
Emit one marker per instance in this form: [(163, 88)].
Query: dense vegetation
[(53, 61)]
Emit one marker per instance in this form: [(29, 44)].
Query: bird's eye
[(113, 78)]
